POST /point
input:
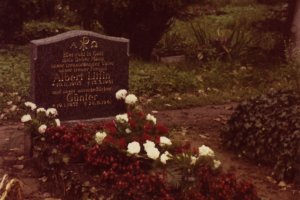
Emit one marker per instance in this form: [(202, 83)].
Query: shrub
[(170, 44), (267, 130), (227, 45)]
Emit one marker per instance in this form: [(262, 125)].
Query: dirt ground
[(200, 125)]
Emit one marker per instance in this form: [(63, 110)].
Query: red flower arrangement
[(132, 157)]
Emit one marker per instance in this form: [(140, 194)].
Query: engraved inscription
[(81, 75), (84, 44)]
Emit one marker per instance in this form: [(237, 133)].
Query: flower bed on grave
[(131, 157)]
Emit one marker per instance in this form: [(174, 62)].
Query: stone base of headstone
[(172, 59), (88, 121)]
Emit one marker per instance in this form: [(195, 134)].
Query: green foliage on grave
[(267, 130)]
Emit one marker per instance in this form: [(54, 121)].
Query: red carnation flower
[(141, 114), (109, 140), (161, 129), (145, 137), (132, 123), (111, 128), (122, 143), (148, 127)]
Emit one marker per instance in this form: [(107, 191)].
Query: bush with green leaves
[(172, 43), (228, 45), (39, 29), (267, 130)]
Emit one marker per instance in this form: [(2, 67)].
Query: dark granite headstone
[(78, 73)]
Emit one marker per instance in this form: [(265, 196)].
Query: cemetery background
[(210, 76)]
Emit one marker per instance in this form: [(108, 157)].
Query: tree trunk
[(295, 26)]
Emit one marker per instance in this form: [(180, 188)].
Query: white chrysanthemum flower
[(99, 137), (217, 164), (121, 94), (151, 118), (51, 112), (127, 130), (206, 151), (31, 105), (42, 128), (40, 110), (131, 99), (193, 160), (149, 144), (165, 157), (152, 152), (13, 108), (26, 118), (122, 118), (57, 122), (134, 147), (164, 141)]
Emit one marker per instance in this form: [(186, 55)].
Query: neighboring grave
[(78, 73)]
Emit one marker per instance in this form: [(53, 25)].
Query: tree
[(293, 19), (39, 9), (11, 19), (143, 22), (85, 10)]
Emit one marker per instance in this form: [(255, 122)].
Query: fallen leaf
[(282, 184), (18, 167), (43, 179), (21, 158)]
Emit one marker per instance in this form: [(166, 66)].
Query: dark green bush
[(36, 30), (267, 130), (143, 22), (39, 9)]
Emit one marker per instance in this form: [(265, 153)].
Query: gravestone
[(78, 73)]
